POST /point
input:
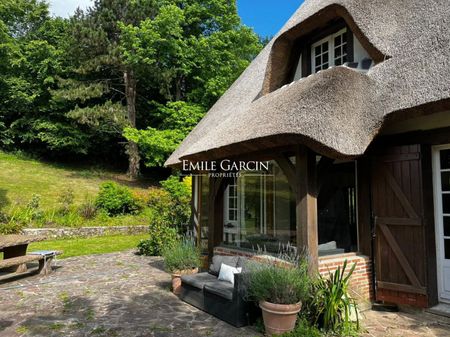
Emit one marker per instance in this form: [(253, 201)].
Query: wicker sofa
[(219, 298)]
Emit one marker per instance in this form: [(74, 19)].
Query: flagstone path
[(125, 295)]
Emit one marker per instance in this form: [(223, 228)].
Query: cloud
[(65, 8)]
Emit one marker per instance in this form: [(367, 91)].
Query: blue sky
[(265, 16)]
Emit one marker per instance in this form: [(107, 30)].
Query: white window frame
[(331, 57)]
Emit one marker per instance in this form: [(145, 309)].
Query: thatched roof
[(338, 111)]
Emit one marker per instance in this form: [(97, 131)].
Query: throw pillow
[(227, 273)]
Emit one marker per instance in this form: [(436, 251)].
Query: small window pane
[(446, 203), (445, 181), (337, 52), (318, 50), (447, 249), (318, 60), (344, 37), (231, 215), (445, 159), (344, 59), (446, 225), (325, 47), (325, 58), (337, 40)]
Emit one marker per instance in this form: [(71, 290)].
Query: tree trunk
[(132, 148)]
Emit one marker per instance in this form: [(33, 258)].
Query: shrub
[(278, 281), (8, 226), (161, 236), (330, 305), (115, 199), (182, 255), (66, 199), (33, 209), (304, 329), (87, 209), (180, 195)]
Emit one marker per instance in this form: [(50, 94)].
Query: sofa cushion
[(219, 259), (198, 280), (220, 288)]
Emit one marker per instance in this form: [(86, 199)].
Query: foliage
[(180, 193), (62, 81), (181, 255), (278, 281), (66, 199), (175, 121), (304, 328), (87, 209), (161, 235), (330, 306), (115, 199), (170, 205)]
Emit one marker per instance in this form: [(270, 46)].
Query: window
[(330, 51), (259, 211)]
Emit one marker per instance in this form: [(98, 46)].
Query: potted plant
[(181, 258), (279, 287)]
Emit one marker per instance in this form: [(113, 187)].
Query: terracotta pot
[(176, 279), (279, 318)]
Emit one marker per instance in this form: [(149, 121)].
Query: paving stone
[(125, 295)]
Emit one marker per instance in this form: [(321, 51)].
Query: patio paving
[(124, 295)]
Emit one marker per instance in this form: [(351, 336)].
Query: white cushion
[(227, 273)]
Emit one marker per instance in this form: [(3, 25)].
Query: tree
[(192, 50), (97, 37)]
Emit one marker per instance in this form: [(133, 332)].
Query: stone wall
[(55, 233), (360, 281)]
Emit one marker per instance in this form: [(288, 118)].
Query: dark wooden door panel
[(398, 215)]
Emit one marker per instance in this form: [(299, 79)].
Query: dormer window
[(332, 46), (327, 39), (330, 51)]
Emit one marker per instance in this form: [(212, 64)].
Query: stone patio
[(125, 295)]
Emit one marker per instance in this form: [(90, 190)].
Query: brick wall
[(360, 281)]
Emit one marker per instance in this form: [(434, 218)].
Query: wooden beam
[(211, 217), (306, 205), (288, 169)]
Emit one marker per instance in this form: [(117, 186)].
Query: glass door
[(441, 184)]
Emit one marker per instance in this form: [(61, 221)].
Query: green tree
[(97, 37), (192, 50)]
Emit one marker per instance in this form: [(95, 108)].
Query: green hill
[(21, 178)]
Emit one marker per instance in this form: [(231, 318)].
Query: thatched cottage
[(350, 106)]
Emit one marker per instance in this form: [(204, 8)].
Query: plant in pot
[(181, 258), (279, 286)]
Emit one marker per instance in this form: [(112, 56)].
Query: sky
[(265, 16)]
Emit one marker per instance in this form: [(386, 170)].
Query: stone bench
[(19, 264), (46, 260)]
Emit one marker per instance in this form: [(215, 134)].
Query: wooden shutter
[(397, 206)]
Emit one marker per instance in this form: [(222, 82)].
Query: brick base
[(360, 281)]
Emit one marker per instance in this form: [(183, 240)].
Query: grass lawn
[(21, 177), (89, 246)]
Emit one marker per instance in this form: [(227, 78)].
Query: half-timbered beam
[(288, 169), (306, 204)]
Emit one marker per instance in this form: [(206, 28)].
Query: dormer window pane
[(340, 49), (321, 57)]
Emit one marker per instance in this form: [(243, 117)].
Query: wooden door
[(397, 207)]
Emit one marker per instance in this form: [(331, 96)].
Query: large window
[(336, 208), (259, 211)]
